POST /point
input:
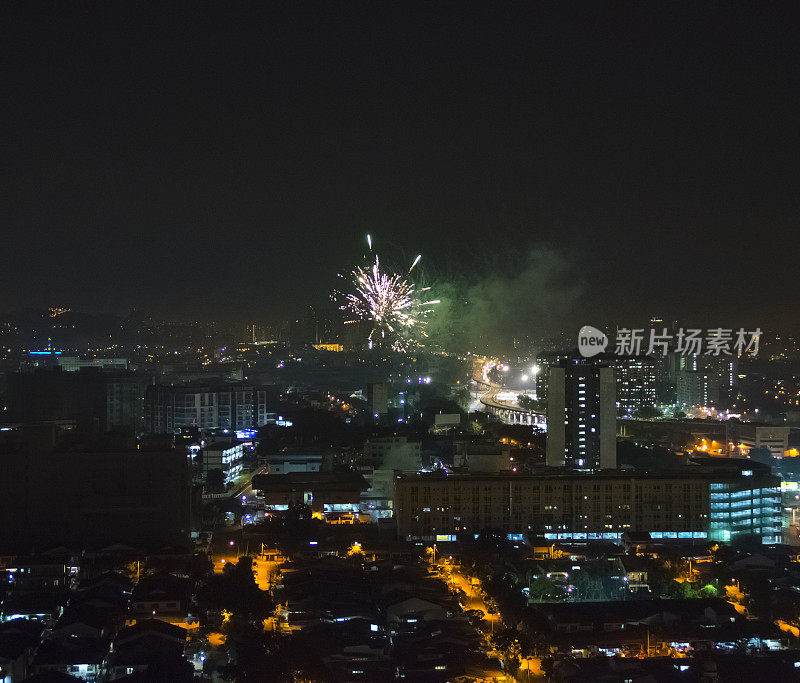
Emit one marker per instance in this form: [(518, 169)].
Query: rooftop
[(704, 468)]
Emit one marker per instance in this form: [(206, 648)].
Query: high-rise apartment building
[(170, 409), (581, 415), (94, 398), (378, 398), (635, 382), (704, 380), (545, 361)]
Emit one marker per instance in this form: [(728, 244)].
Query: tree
[(648, 412), (355, 550), (687, 590), (236, 592), (215, 481), (735, 594), (462, 398), (475, 427), (709, 591), (527, 403), (590, 587), (273, 575), (508, 643), (298, 513), (269, 441), (662, 581), (247, 643), (541, 588)]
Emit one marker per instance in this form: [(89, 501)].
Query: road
[(243, 486), (509, 412), (228, 543), (530, 668), (475, 598)]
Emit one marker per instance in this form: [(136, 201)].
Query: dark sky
[(226, 159)]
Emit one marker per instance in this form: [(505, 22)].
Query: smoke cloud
[(522, 300)]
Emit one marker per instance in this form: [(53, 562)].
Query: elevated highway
[(502, 404)]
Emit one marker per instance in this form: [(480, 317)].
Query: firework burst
[(394, 304)]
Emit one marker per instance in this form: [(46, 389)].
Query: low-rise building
[(568, 505), (48, 571), (649, 627), (483, 458), (378, 500), (225, 456), (45, 607), (18, 642), (633, 571), (164, 597), (151, 644), (78, 657), (393, 452), (289, 461), (749, 436), (324, 492), (73, 363)]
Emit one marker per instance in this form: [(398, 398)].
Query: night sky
[(225, 159)]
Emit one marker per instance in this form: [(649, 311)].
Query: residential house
[(150, 644)]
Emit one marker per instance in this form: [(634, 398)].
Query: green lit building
[(749, 505)]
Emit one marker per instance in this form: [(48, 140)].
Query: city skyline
[(399, 342)]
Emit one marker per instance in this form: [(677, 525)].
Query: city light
[(402, 495)]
